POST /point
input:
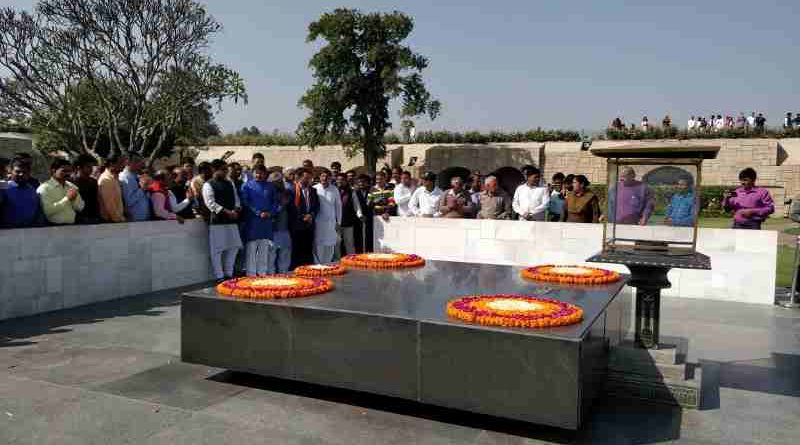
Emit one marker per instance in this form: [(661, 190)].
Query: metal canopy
[(662, 150)]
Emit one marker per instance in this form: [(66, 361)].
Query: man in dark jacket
[(306, 204)]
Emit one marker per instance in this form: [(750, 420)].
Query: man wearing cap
[(425, 200)]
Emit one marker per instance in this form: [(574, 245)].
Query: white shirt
[(402, 197), (329, 216), (533, 200), (719, 124), (751, 121), (690, 124), (424, 202)]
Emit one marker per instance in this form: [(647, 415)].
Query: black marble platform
[(387, 332)]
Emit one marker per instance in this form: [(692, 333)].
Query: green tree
[(362, 66)]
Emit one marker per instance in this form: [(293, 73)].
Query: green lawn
[(785, 263)]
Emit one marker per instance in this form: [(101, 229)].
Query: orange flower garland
[(514, 311), (274, 286), (383, 260), (319, 270), (570, 274)]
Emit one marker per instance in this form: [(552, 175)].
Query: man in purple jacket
[(750, 205)]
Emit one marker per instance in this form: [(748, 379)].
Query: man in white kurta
[(531, 199), (424, 201), (221, 198), (329, 219), (402, 194)]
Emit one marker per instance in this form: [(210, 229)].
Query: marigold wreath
[(274, 287), (515, 311), (570, 274), (319, 270), (383, 260)]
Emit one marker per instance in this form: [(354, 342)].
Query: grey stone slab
[(336, 422), (203, 429), (366, 353), (422, 294), (179, 385), (77, 366), (236, 336), (44, 413), (519, 377)]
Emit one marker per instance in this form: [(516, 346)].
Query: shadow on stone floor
[(778, 374), (611, 421), (16, 331)]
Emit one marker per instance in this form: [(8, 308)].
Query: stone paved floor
[(110, 373)]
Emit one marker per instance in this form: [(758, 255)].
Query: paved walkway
[(110, 373)]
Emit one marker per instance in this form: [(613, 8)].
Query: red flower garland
[(570, 274), (383, 260), (514, 311), (274, 286)]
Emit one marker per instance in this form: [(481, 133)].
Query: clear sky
[(520, 64)]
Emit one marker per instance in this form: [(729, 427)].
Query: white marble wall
[(53, 268), (743, 261)]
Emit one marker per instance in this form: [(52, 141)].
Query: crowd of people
[(755, 122), (265, 220)]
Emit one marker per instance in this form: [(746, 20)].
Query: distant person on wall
[(494, 201), (61, 200), (20, 206), (402, 194), (797, 119), (750, 205), (306, 203), (222, 200), (531, 200), (328, 223), (751, 120), (788, 121), (761, 123), (182, 193), (109, 191), (456, 202), (259, 205), (87, 187), (351, 216), (666, 122), (631, 201), (680, 211), (741, 121), (645, 124), (691, 124), (555, 208), (137, 205), (582, 205), (425, 200), (281, 252)]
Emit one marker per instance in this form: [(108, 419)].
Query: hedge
[(675, 133)]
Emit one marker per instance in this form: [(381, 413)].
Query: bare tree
[(137, 66)]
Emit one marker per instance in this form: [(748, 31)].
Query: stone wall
[(53, 268), (743, 261)]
